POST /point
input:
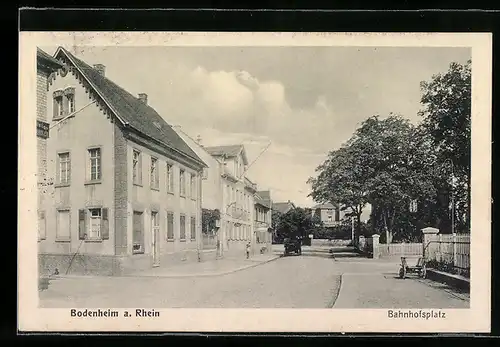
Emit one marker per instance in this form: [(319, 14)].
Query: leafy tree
[(296, 223), (446, 112), (342, 179), (209, 219)]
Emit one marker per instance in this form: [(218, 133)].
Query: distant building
[(329, 214), (237, 208), (283, 207), (126, 192), (262, 222)]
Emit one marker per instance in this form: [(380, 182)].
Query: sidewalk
[(207, 268)]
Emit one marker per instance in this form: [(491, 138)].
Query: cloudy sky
[(305, 101)]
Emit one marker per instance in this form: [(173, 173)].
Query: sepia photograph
[(274, 176)]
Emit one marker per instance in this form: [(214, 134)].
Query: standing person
[(248, 249)]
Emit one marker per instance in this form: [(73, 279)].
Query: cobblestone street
[(290, 282)]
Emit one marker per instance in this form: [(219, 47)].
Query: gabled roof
[(324, 206), (263, 198), (283, 207), (229, 151), (132, 111), (45, 59)]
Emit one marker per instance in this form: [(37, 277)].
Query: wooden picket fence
[(451, 249), (400, 249)]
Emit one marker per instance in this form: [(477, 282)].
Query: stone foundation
[(110, 265)]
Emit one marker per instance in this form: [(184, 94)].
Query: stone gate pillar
[(429, 244), (376, 254)]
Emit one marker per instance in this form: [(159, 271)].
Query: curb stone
[(213, 274)]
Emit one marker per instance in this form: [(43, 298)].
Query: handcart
[(420, 269)]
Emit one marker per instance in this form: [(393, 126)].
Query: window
[(63, 225), (95, 164), (137, 167), (64, 168), (193, 228), (138, 236), (58, 106), (95, 223), (155, 178), (170, 178), (182, 227), (170, 226), (71, 103), (192, 183), (42, 227), (337, 214), (182, 183)]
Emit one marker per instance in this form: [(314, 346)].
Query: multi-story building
[(127, 188), (45, 66), (329, 214), (262, 221), (237, 208)]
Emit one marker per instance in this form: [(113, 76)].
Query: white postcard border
[(475, 319)]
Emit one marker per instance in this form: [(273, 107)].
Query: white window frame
[(136, 167), (192, 183), (64, 179), (60, 106), (91, 234), (182, 183), (154, 177), (98, 163), (170, 177), (71, 102)]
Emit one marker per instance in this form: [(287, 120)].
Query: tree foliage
[(209, 219), (391, 163), (296, 223), (446, 113)]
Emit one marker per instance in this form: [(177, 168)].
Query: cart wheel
[(424, 272)]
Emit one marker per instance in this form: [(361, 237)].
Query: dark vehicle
[(293, 245)]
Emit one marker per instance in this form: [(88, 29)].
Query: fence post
[(375, 252), (440, 248), (428, 248)]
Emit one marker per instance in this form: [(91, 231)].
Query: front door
[(155, 238)]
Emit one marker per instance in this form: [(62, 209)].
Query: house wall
[(88, 128), (143, 198), (238, 202)]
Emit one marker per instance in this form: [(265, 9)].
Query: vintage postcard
[(254, 182)]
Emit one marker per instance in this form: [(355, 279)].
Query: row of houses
[(121, 190)]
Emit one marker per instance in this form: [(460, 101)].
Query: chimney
[(198, 140), (101, 69), (144, 98)]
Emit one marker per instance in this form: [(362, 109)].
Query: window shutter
[(82, 214), (105, 224)]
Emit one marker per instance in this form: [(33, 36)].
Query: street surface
[(290, 282)]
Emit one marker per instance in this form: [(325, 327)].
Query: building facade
[(329, 214), (127, 189), (262, 221), (237, 208), (46, 65)]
